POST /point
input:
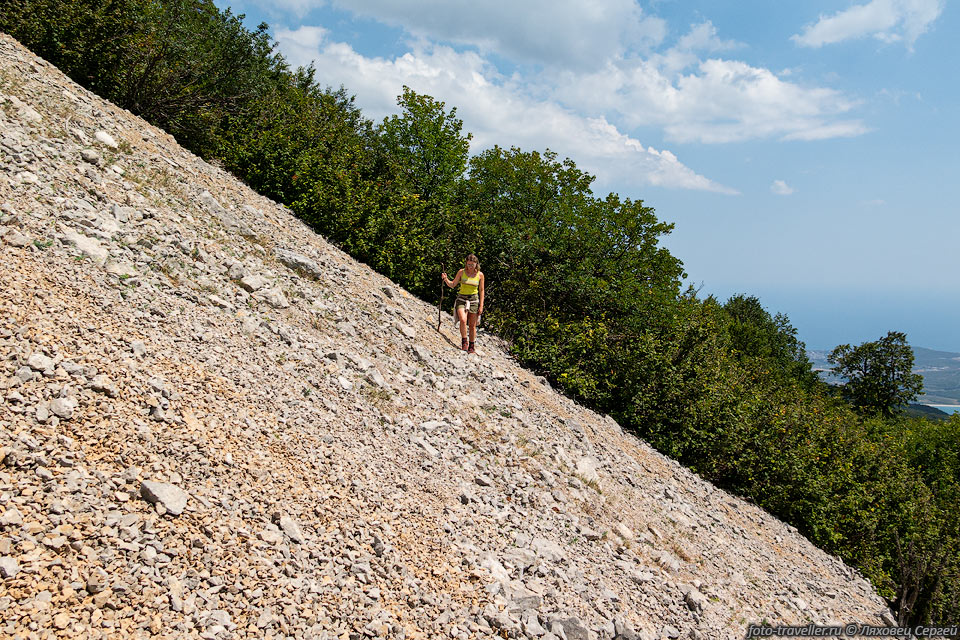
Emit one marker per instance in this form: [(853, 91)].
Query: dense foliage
[(577, 283)]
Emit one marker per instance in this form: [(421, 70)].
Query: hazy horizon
[(830, 317)]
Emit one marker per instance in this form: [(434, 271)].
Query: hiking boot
[(471, 349), (463, 344)]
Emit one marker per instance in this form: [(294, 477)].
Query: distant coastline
[(946, 408)]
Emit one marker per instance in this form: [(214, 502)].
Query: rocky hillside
[(215, 424)]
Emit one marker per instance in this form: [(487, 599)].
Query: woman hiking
[(469, 303)]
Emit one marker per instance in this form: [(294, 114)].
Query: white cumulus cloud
[(715, 101), (590, 63), (300, 46), (781, 188), (601, 74), (554, 33), (886, 20), (495, 109), (567, 33)]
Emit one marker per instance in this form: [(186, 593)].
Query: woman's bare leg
[(473, 326), (462, 314)]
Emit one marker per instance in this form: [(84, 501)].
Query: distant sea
[(947, 408)]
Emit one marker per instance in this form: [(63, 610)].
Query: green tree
[(425, 147), (557, 251), (878, 374), (755, 334), (418, 158)]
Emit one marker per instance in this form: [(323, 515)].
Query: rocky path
[(214, 424)]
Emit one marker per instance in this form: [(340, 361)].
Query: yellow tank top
[(469, 285)]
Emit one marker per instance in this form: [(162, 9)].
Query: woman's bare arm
[(480, 309), (455, 281)]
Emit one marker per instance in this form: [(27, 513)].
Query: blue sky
[(806, 151)]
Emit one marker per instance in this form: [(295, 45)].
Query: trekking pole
[(440, 306)]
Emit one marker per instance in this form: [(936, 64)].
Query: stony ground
[(215, 424)]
